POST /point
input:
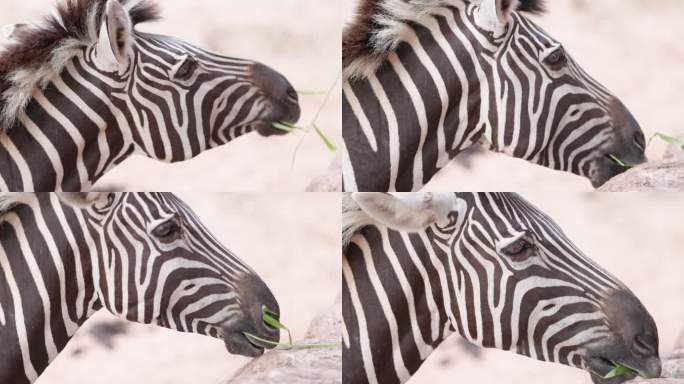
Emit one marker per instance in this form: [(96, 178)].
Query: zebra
[(418, 267), (84, 90), (426, 79), (145, 257)]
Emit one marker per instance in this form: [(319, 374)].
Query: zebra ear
[(494, 15), (115, 39), (82, 200), (12, 30), (409, 212)]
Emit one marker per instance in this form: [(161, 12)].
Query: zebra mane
[(379, 25), (36, 53)]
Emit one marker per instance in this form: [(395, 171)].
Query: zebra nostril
[(292, 93), (642, 346)]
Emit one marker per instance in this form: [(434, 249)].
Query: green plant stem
[(621, 163), (270, 319), (292, 345), (668, 139), (311, 93), (619, 370)]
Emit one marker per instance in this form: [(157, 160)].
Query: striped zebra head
[(160, 265), (480, 71), (170, 99), (549, 110), (498, 271)]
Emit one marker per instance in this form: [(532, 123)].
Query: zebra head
[(544, 107), (169, 99), (158, 264), (490, 266), (426, 79)]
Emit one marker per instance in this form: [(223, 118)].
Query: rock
[(664, 176), (303, 366), (331, 180), (673, 365)]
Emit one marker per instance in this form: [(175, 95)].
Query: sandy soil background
[(291, 240), (633, 47), (299, 38)]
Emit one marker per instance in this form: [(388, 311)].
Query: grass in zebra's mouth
[(615, 370), (666, 138), (289, 128), (271, 320), (620, 370)]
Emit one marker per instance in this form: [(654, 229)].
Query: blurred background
[(291, 240), (637, 237), (633, 47), (299, 38)]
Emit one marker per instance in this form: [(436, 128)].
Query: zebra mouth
[(600, 366)]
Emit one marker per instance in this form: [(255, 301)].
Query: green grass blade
[(670, 140), (312, 93), (270, 319), (620, 162), (285, 346), (283, 127), (619, 370), (327, 142)]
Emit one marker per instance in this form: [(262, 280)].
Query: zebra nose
[(638, 331), (280, 92), (629, 137)]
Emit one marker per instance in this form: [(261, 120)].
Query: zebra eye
[(556, 58), (186, 69), (166, 229), (519, 249)]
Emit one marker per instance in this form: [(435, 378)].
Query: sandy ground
[(291, 240), (637, 237), (299, 38), (633, 47)]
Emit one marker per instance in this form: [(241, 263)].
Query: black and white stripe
[(145, 257), (72, 107), (425, 80), (419, 267)]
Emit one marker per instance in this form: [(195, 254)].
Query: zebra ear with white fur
[(494, 15), (116, 37), (409, 212)]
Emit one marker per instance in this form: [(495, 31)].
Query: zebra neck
[(46, 287), (70, 134), (426, 103), (402, 307)]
